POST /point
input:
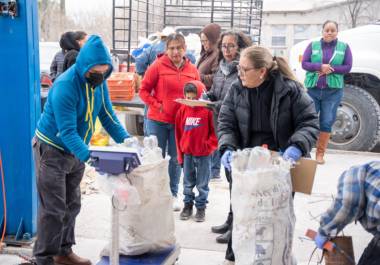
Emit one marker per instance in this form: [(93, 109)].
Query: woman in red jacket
[(163, 83)]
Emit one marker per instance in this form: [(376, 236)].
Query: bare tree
[(356, 10), (63, 7), (51, 21)]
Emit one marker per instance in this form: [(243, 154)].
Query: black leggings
[(371, 255)]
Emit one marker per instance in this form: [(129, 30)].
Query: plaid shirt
[(358, 199)]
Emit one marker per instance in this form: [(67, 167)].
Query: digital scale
[(114, 160)]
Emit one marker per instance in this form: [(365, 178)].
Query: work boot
[(223, 239), (187, 211), (220, 229), (323, 141), (71, 259), (200, 215)]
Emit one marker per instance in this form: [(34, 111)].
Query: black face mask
[(95, 79)]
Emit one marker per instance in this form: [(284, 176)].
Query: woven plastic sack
[(262, 204), (147, 226)]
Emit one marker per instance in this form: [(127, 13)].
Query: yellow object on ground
[(100, 136)]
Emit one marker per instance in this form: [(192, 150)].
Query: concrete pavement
[(198, 243), (196, 240)]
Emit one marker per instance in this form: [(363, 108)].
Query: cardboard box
[(303, 174), (195, 103)]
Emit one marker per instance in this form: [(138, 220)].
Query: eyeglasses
[(176, 48), (204, 41), (228, 46), (243, 71)]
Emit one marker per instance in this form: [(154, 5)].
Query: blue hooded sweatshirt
[(68, 120)]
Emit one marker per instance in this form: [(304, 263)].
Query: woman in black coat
[(266, 106), (230, 45)]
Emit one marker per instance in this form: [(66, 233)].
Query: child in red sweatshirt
[(196, 141)]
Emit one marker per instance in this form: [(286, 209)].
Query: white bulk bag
[(263, 211), (149, 225)]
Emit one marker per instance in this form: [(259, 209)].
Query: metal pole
[(113, 25), (250, 18), (114, 255), (232, 13), (164, 13), (260, 3), (212, 10), (147, 18), (129, 34)]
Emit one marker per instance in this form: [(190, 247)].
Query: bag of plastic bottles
[(147, 226), (262, 204)]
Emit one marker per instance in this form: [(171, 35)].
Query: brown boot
[(71, 259), (322, 143)]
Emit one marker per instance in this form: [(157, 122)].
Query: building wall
[(281, 30)]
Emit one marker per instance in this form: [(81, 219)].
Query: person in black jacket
[(266, 105), (71, 56), (230, 45), (67, 43)]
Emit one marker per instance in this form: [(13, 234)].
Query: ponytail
[(260, 57)]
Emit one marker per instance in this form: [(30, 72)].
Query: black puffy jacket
[(221, 85), (293, 118)]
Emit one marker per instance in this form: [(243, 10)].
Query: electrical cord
[(4, 201)]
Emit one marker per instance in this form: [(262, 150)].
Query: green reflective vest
[(333, 80)]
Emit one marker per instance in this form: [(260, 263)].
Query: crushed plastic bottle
[(150, 142), (260, 157), (132, 142), (151, 152), (115, 62)]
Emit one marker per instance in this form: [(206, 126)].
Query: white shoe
[(177, 203), (228, 262)]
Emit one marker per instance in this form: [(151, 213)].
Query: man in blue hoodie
[(60, 148)]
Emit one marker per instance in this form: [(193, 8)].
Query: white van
[(357, 126)]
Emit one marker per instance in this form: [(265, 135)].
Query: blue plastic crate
[(157, 258)]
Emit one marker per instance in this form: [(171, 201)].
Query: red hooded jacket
[(163, 83), (194, 129)]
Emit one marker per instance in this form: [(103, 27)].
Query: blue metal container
[(19, 113)]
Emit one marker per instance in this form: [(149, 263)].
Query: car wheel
[(357, 125)]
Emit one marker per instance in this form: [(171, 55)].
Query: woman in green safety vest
[(326, 62)]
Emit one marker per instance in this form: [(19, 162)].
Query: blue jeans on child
[(166, 138), (196, 170), (326, 102)]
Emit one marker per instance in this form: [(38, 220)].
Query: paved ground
[(198, 243)]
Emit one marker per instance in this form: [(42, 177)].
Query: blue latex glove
[(292, 154), (226, 159), (320, 240)]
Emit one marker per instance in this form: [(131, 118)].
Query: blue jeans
[(196, 170), (326, 102), (215, 164), (166, 138), (146, 120)]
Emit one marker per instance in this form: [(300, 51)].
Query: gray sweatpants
[(58, 177)]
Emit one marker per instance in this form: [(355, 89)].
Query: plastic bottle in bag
[(115, 62), (151, 152), (132, 142), (150, 142), (259, 157)]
